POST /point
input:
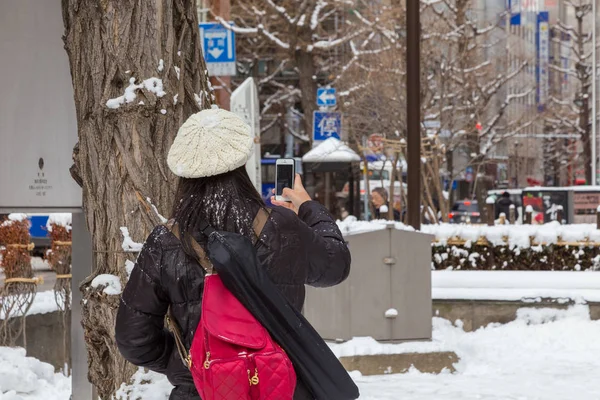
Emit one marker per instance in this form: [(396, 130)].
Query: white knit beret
[(209, 143)]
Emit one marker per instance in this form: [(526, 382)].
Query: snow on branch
[(271, 124), (348, 92), (269, 78), (260, 29), (314, 19), (567, 71), (330, 44), (272, 37), (281, 11)]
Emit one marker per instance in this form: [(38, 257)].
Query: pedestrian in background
[(381, 204)]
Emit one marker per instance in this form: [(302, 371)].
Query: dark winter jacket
[(503, 207), (295, 250), (384, 215)]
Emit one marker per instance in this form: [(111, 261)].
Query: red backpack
[(232, 356)]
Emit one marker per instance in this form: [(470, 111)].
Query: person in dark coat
[(503, 206), (381, 204), (299, 245)]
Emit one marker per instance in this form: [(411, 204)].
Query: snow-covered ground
[(545, 354), (528, 286), (39, 264), (43, 303), (26, 378)]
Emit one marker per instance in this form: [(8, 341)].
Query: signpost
[(218, 47), (543, 59), (469, 174), (244, 103), (326, 97), (326, 125), (38, 130)]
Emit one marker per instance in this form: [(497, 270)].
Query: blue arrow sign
[(326, 97), (218, 47), (326, 125)]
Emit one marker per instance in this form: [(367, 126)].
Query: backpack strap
[(201, 255), (258, 225), (174, 328)]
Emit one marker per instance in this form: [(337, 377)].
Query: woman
[(379, 198), (299, 244)]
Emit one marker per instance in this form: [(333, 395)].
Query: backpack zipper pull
[(207, 362), (254, 379)]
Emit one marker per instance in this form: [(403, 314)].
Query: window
[(203, 9)]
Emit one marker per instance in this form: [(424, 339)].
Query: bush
[(484, 256)]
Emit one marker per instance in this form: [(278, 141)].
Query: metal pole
[(594, 94), (413, 111), (366, 181), (82, 261)]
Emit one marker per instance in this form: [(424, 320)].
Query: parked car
[(465, 212)]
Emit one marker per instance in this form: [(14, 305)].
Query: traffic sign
[(469, 174), (326, 97), (326, 125), (218, 47)]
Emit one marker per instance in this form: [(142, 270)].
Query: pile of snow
[(516, 236), (24, 378), (145, 385), (367, 346), (153, 85), (64, 220), (43, 303), (128, 244), (530, 286), (17, 217), (331, 150), (129, 265), (14, 218), (352, 226), (543, 355), (111, 284)]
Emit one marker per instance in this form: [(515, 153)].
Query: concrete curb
[(431, 363)]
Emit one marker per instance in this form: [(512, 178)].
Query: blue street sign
[(326, 125), (469, 174), (326, 97), (218, 47), (542, 73)]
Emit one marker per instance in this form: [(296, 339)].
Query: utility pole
[(413, 111), (594, 96)]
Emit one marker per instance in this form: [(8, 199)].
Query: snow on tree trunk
[(138, 73)]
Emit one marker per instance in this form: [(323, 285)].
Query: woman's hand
[(297, 196)]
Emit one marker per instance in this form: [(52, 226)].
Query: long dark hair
[(228, 202)]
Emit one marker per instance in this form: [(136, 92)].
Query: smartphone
[(284, 177)]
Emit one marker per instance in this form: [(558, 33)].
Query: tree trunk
[(308, 87), (121, 157)]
